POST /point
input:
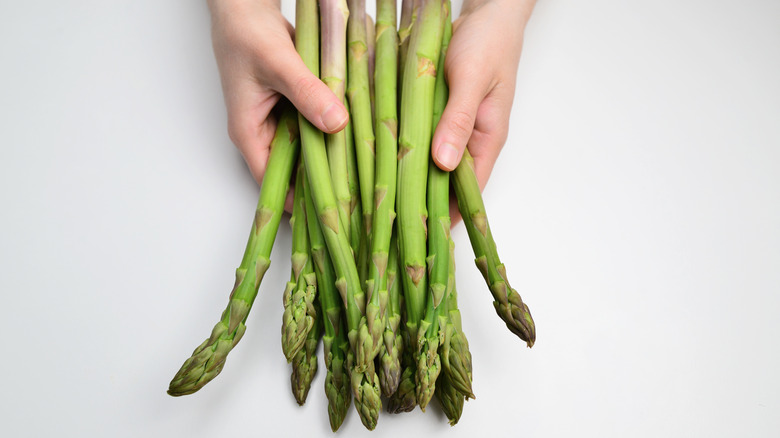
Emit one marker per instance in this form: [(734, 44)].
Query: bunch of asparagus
[(379, 292)]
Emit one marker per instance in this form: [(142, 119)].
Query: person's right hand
[(258, 64)]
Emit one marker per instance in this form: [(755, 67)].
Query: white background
[(636, 204)]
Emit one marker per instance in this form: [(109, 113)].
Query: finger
[(455, 216), (467, 90), (489, 135), (251, 128), (289, 200), (254, 145), (309, 94)]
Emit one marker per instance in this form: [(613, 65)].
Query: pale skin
[(258, 64)]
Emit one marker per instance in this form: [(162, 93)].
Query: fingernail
[(447, 156), (334, 117)]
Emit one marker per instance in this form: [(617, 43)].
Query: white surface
[(637, 206)]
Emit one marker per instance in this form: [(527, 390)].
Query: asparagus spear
[(408, 16), (209, 358), (404, 399), (363, 136), (357, 236), (373, 327), (450, 398), (365, 382), (441, 92), (335, 344), (360, 102), (333, 17), (414, 149), (371, 46), (301, 291), (454, 350), (454, 384), (304, 364), (356, 227), (508, 304), (343, 172), (300, 325), (428, 361), (358, 93), (392, 346)]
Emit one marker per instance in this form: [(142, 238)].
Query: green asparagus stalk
[(508, 304), (360, 102), (371, 43), (334, 340), (356, 227), (365, 382), (441, 92), (358, 239), (454, 384), (392, 346), (209, 358), (373, 327), (366, 391), (454, 350), (408, 16), (343, 172), (358, 158), (318, 174), (428, 361), (301, 291), (455, 354), (450, 398), (304, 364), (404, 399), (415, 138), (361, 259), (333, 18), (300, 325)]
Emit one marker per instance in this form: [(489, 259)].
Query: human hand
[(481, 71), (258, 64)]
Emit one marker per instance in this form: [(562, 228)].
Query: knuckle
[(461, 123), (304, 90)]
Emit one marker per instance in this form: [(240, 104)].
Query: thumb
[(309, 94), (457, 121)]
